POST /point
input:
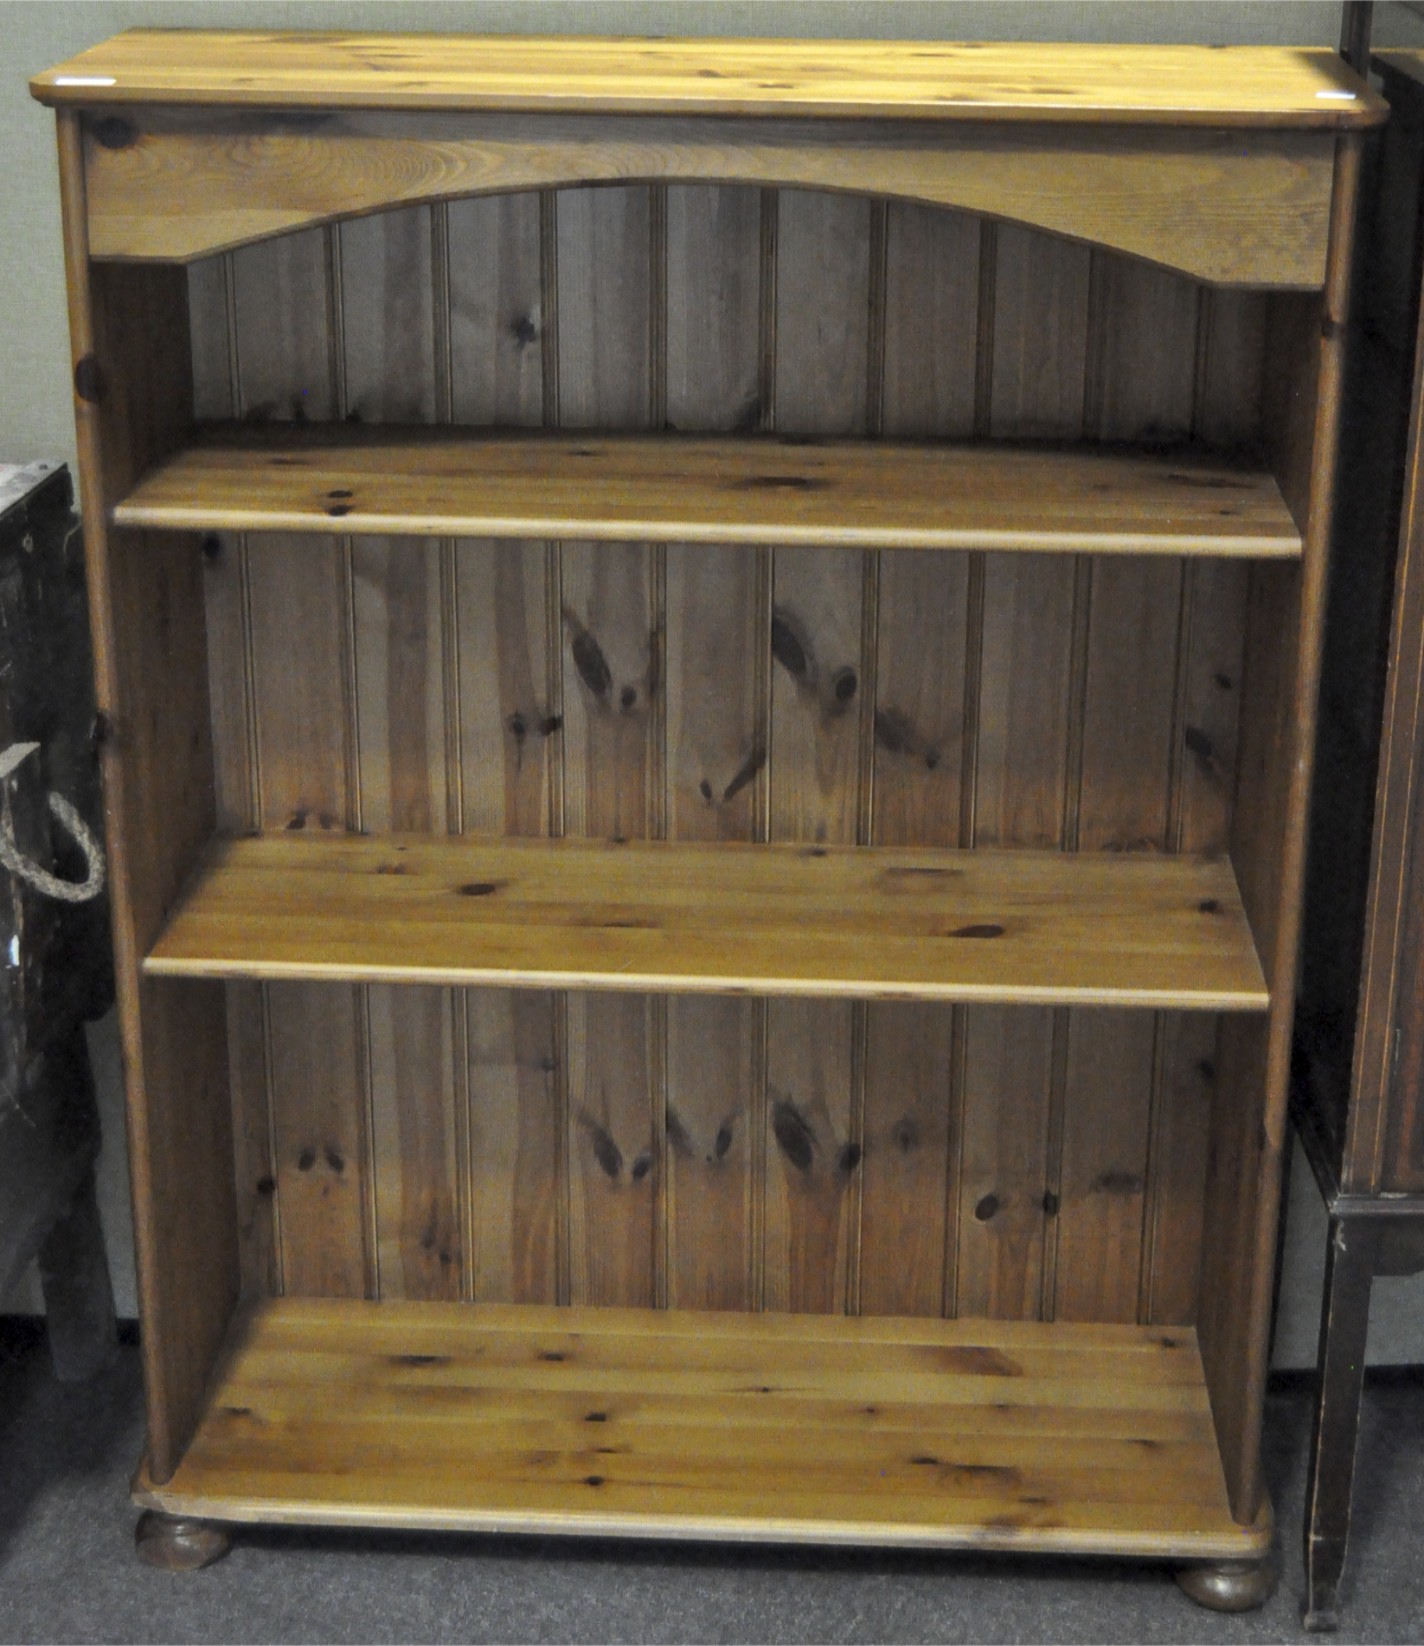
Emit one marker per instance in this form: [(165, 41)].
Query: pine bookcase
[(706, 654)]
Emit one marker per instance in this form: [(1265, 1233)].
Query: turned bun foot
[(177, 1545), (1230, 1585)]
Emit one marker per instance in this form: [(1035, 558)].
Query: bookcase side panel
[(133, 401), (1284, 630)]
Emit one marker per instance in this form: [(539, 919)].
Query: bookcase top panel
[(881, 79)]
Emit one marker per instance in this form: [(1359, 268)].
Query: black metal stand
[(1368, 1237)]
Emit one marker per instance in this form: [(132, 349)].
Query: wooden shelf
[(949, 1434), (455, 482), (886, 79), (1025, 927)]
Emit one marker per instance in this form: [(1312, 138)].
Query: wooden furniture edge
[(1319, 89)]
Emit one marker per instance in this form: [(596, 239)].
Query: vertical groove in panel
[(984, 339), (660, 1256), (443, 372), (973, 693), (1077, 700), (1201, 366), (766, 327), (1186, 608), (234, 365), (1080, 629), (279, 1245), (954, 1159), (956, 1179), (766, 393), (974, 641), (255, 806), (865, 777), (554, 646), (1155, 1129), (1053, 1162), (457, 1008), (1080, 632), (456, 1003), (355, 809), (364, 1068), (854, 1154), (875, 323), (760, 1119)]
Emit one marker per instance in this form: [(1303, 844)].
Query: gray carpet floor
[(68, 1572)]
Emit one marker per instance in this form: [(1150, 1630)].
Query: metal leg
[(1349, 1274)]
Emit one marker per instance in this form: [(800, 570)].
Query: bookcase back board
[(723, 1152)]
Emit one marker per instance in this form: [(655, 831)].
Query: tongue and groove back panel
[(714, 1152)]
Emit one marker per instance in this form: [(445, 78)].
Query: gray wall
[(35, 420)]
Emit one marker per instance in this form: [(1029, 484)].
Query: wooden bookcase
[(706, 775)]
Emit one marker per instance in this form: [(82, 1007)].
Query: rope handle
[(63, 891)]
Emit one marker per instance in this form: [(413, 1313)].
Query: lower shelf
[(935, 1434)]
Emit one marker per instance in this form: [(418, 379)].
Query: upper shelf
[(1017, 927), (879, 79), (670, 488)]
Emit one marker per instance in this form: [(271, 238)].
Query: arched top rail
[(175, 185)]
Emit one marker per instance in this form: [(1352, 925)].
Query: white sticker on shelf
[(85, 80)]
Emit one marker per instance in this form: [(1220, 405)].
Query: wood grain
[(1164, 84), (1025, 661), (1088, 1439), (228, 617), (1004, 1198), (611, 600), (1076, 499), (717, 662), (1277, 744), (1008, 926), (146, 619), (509, 711), (820, 357), (286, 310), (185, 184), (925, 684), (402, 679)]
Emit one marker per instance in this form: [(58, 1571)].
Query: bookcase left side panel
[(133, 403)]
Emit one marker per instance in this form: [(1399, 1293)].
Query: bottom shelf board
[(764, 1428)]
